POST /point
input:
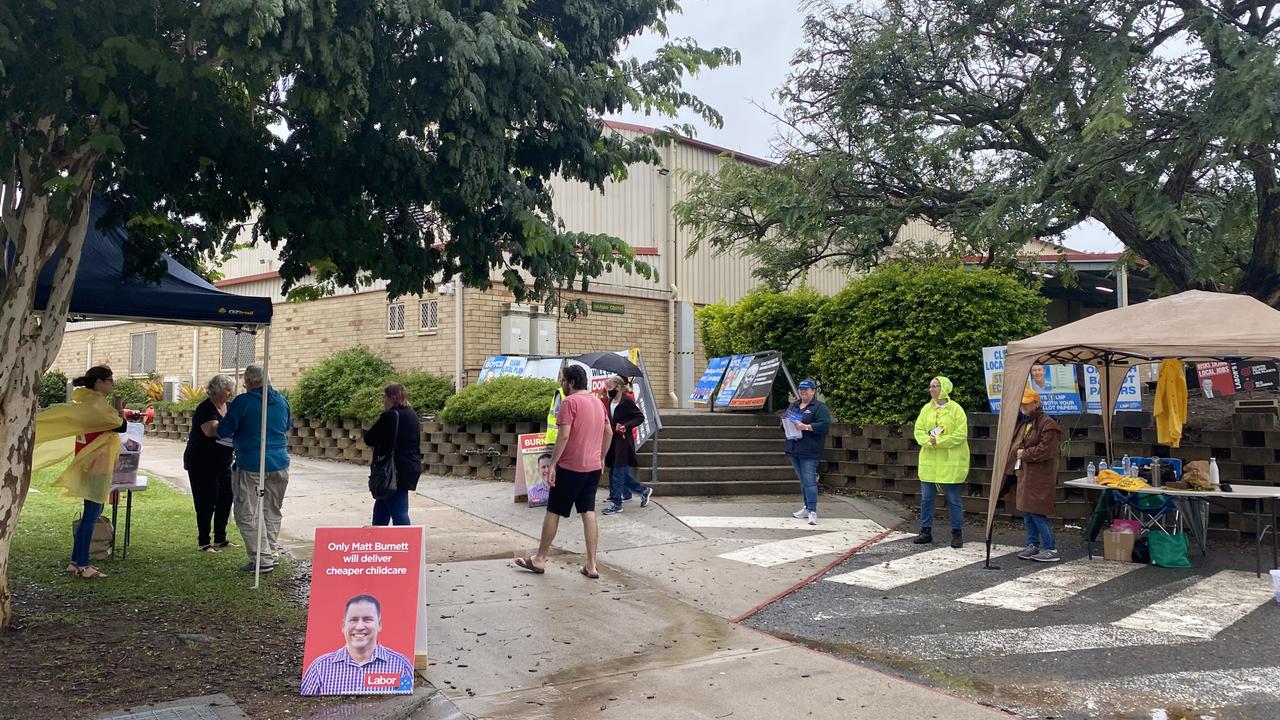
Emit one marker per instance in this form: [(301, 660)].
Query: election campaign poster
[(1056, 384), (549, 368), (1129, 400), (533, 469), (1255, 376), (492, 368), (733, 375), (756, 383), (1216, 379), (365, 619), (710, 378)]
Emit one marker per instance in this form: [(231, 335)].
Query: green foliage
[(765, 320), (1157, 120), (325, 388), (53, 388), (501, 400), (427, 395), (886, 335), (135, 392)]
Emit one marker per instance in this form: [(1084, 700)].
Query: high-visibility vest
[(552, 431)]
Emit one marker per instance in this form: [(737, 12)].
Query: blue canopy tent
[(103, 292)]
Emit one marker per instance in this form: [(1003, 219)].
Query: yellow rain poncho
[(1170, 407), (946, 462), (57, 427)]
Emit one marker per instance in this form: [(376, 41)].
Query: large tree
[(1004, 120), (405, 140)]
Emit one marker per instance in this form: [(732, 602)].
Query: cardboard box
[(1118, 546)]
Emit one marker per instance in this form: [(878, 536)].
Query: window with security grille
[(428, 316), (245, 341), (395, 319), (142, 353)]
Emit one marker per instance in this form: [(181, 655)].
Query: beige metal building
[(424, 333)]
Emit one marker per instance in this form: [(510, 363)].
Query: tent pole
[(262, 452), (1103, 407)]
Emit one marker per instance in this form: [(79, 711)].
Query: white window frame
[(395, 319), (245, 358), (428, 317), (147, 365)]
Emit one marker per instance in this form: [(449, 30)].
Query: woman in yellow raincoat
[(942, 431), (83, 429)]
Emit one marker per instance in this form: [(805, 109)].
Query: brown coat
[(1038, 477)]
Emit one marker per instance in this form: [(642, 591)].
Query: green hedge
[(134, 393), (883, 337), (765, 320), (427, 395), (326, 388), (53, 388), (501, 400)]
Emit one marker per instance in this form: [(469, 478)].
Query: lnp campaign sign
[(365, 619), (1130, 399), (1056, 384), (738, 365), (710, 378)]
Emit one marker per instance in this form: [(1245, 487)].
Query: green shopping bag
[(1168, 549)]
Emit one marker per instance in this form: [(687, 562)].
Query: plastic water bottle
[(1091, 472), (1124, 465), (1102, 464), (1213, 471)]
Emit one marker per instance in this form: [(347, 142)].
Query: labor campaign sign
[(533, 469), (365, 620)]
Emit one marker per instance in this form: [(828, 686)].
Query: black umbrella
[(610, 362)]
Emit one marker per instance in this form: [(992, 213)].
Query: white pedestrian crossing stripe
[(778, 523), (919, 566), (790, 550), (1204, 609), (1049, 585)]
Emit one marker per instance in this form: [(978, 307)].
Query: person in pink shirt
[(583, 439)]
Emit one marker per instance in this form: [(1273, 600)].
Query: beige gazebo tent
[(1195, 326)]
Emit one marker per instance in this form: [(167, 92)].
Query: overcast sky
[(767, 33)]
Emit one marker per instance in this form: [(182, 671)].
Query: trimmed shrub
[(883, 338), (324, 390), (427, 395), (53, 388), (135, 393), (502, 400), (766, 320)]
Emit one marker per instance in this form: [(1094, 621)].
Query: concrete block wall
[(882, 460)]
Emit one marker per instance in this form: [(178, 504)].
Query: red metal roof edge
[(1069, 256), (736, 155)]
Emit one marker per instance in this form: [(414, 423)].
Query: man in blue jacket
[(243, 427)]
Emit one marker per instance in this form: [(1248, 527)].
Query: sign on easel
[(366, 625)]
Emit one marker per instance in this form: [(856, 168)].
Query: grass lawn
[(170, 622)]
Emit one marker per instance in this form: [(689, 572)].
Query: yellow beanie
[(1030, 395)]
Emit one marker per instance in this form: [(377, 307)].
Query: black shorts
[(573, 489)]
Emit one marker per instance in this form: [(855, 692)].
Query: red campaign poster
[(363, 616), (533, 469), (1216, 379)]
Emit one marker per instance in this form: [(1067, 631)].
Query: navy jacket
[(813, 441)]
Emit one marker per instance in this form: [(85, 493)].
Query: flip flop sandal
[(71, 569), (209, 549), (526, 563), (89, 572), (226, 544), (593, 576)]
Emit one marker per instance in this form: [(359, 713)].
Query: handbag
[(382, 473), (1168, 549), (100, 542)]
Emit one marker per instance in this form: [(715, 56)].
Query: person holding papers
[(807, 422)]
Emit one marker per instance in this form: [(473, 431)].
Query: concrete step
[(733, 445), (709, 459), (686, 419), (725, 432), (722, 474), (742, 487)]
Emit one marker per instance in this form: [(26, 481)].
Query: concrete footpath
[(654, 637)]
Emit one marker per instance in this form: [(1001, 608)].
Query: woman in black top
[(208, 464), (624, 417), (397, 428)]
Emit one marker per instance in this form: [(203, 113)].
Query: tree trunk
[(1261, 277), (1171, 258), (31, 339)]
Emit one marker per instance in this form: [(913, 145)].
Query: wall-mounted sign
[(609, 308)]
